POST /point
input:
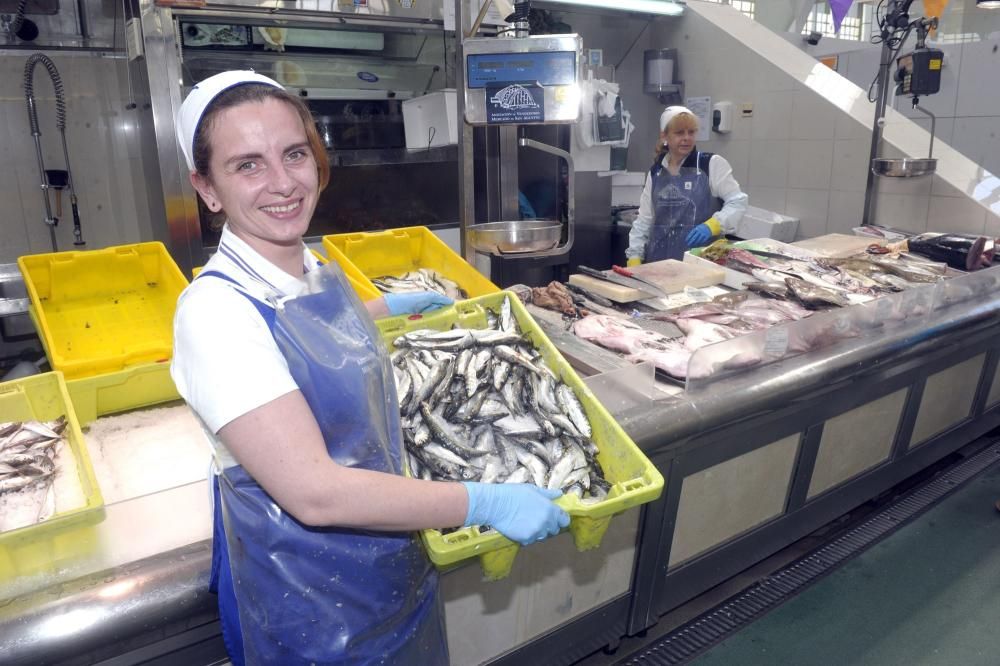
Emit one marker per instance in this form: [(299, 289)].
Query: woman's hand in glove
[(699, 236), (521, 512), (415, 302)]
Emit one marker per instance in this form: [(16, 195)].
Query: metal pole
[(466, 165), (871, 188)]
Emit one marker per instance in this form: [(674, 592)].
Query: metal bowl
[(515, 237), (904, 167)]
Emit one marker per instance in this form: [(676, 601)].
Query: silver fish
[(445, 435), (506, 316), (535, 466), (573, 409), (559, 473), (519, 475)]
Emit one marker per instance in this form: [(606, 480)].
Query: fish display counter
[(756, 455)]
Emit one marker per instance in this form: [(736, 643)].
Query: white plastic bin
[(626, 188), (760, 223), (431, 120)]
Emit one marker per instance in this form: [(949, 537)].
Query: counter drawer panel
[(552, 584), (856, 441), (733, 497), (947, 399), (994, 397)]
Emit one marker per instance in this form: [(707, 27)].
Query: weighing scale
[(513, 81)]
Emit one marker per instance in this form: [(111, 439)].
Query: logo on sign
[(367, 77), (514, 97)]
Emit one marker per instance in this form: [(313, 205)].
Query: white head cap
[(201, 96), (670, 113)]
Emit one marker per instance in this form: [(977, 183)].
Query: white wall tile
[(849, 128), (104, 177), (978, 89), (810, 164), (958, 215), (850, 165), (846, 211), (979, 139), (813, 117), (916, 187), (992, 226), (768, 198), (768, 163), (811, 207), (902, 211), (772, 115), (737, 153)]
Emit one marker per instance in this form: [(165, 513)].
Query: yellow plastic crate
[(131, 388), (635, 480), (398, 251), (68, 534), (100, 311)]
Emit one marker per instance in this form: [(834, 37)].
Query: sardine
[(444, 434), (519, 475), (559, 473), (573, 409), (535, 466)]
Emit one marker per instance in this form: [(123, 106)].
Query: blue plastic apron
[(680, 203), (289, 593)]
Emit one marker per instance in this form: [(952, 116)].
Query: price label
[(776, 341)]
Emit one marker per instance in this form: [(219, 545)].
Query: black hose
[(18, 16), (29, 90)]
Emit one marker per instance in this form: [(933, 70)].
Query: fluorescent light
[(988, 4), (662, 7)]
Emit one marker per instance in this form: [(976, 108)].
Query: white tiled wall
[(103, 155), (806, 154)]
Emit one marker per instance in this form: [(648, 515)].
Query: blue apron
[(290, 593), (680, 203)]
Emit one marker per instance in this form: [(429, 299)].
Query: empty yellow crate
[(634, 479), (397, 251), (132, 388), (100, 311), (69, 533)]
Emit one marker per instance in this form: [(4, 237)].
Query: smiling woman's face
[(262, 173)]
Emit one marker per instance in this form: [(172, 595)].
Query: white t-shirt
[(226, 362)]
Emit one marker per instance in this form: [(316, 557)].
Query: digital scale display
[(553, 68)]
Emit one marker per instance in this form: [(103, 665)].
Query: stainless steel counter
[(752, 462)]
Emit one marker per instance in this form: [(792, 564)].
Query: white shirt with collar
[(226, 362)]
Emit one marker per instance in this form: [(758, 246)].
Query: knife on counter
[(615, 278), (624, 272)]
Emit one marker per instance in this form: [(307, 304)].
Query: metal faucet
[(570, 194)]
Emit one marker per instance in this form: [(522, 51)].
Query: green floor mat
[(927, 594)]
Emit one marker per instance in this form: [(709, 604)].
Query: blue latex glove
[(520, 511), (699, 236), (415, 302)]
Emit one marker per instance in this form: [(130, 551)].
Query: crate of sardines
[(485, 396)]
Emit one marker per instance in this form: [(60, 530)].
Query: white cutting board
[(672, 276), (838, 246), (609, 290)]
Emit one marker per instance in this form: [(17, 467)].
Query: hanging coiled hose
[(18, 16), (57, 85), (29, 96)]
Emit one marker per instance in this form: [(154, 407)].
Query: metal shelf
[(374, 157)]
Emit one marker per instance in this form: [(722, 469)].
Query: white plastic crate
[(431, 120)]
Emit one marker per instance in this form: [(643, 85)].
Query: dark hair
[(256, 92)]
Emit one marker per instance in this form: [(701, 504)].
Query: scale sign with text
[(528, 80)]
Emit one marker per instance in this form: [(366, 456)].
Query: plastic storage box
[(760, 223), (635, 480), (132, 388), (101, 311), (431, 120), (397, 251), (67, 534)]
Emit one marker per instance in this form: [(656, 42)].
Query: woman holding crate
[(314, 556)]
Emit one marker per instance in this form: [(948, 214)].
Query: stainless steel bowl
[(515, 237), (904, 167)]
